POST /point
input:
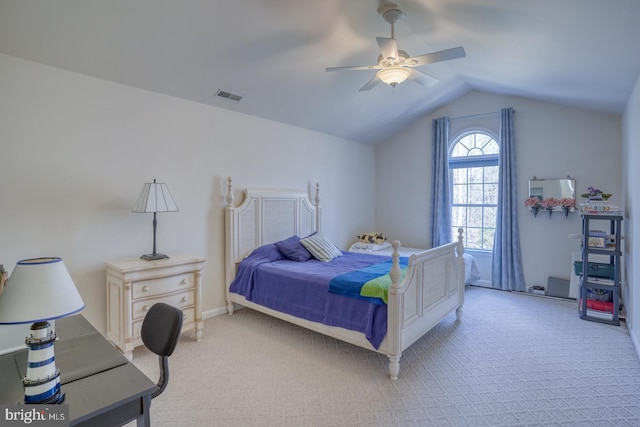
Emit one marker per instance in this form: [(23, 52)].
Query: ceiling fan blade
[(388, 47), (422, 78), (356, 67), (443, 55), (371, 83)]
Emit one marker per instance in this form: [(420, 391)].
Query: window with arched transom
[(473, 164)]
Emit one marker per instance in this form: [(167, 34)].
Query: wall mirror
[(557, 188)]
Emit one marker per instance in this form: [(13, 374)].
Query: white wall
[(76, 151), (552, 141), (631, 159)]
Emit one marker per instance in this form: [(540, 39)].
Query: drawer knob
[(145, 288), (145, 308), (183, 281), (183, 299)]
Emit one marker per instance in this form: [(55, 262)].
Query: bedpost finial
[(460, 245), (396, 272), (230, 197), (317, 199)]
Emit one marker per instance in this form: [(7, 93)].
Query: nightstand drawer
[(188, 317), (152, 287), (180, 300)]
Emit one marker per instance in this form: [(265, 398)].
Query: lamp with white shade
[(39, 290), (155, 198)]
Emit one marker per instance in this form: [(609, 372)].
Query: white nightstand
[(134, 285)]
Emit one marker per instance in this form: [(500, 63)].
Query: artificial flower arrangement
[(550, 203), (567, 202), (595, 194), (532, 202)]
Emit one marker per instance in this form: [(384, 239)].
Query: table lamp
[(155, 197), (38, 290)]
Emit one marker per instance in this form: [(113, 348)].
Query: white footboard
[(431, 289)]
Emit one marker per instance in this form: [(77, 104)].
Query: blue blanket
[(302, 290), (368, 283)]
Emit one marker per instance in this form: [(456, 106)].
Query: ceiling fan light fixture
[(393, 76)]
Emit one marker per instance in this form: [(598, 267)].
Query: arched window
[(473, 164)]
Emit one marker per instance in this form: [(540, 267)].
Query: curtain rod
[(475, 115)]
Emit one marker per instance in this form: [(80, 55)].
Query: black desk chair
[(160, 333)]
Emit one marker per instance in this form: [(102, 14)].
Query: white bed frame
[(432, 288)]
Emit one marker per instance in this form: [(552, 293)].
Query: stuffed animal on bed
[(376, 237)]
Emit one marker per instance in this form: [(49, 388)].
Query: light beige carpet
[(514, 360)]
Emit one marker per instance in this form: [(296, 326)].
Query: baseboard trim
[(208, 314), (483, 283), (634, 340)]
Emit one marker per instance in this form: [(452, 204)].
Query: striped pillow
[(320, 247)]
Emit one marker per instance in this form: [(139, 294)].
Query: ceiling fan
[(395, 65)]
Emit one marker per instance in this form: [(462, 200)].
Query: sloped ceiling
[(274, 52)]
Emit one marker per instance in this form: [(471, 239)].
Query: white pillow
[(369, 247), (320, 247)]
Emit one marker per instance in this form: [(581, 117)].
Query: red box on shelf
[(600, 305)]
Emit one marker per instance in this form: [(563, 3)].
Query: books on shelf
[(593, 207)]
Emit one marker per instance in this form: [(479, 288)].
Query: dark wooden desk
[(102, 388)]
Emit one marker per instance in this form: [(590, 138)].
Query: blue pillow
[(293, 249)]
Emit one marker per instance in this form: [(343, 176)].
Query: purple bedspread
[(301, 289)]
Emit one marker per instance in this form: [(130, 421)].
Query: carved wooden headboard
[(266, 216)]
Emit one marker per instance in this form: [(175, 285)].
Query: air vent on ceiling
[(228, 95)]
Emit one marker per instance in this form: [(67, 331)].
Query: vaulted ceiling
[(274, 53)]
